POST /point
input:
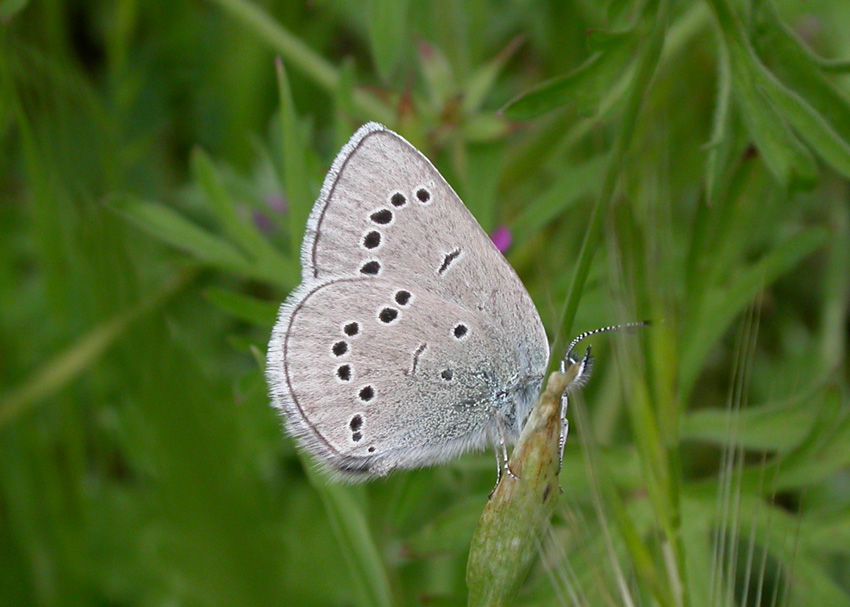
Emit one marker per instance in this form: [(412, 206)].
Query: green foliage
[(685, 162)]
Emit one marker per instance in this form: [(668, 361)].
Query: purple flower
[(501, 237), (276, 203), (263, 222)]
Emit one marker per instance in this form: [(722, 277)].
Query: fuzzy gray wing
[(385, 211), (375, 375)]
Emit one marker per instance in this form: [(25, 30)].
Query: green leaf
[(588, 84), (577, 181), (295, 175), (800, 69), (721, 131), (583, 87), (56, 373), (256, 311), (826, 449), (811, 126), (299, 54), (785, 156), (8, 8), (448, 532), (726, 304), (772, 427), (388, 34), (240, 230), (172, 228), (481, 81)]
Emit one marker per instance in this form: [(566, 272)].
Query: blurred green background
[(682, 161)]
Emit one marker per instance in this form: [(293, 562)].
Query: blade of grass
[(644, 73)]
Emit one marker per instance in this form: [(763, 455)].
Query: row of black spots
[(341, 348), (384, 217), (373, 239)]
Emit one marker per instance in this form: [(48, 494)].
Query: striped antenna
[(569, 358)]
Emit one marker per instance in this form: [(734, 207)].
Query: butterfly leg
[(503, 446), (565, 430), (500, 448), (580, 368)]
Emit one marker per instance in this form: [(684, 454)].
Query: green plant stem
[(510, 530), (644, 73)]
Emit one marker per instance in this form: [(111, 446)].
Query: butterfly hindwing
[(371, 369)]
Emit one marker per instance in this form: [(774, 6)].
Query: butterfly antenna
[(569, 357)]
